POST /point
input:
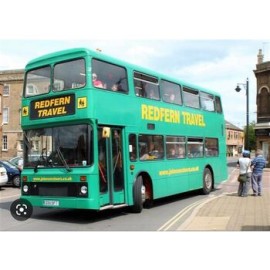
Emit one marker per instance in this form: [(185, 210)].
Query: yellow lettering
[(193, 119), (144, 112), (52, 111), (167, 115), (37, 105), (149, 112), (156, 114), (52, 102)]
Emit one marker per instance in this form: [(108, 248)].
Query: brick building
[(1, 111), (262, 128), (234, 139), (11, 86)]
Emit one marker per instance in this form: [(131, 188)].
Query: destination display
[(52, 107)]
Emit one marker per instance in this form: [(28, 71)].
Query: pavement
[(229, 212)]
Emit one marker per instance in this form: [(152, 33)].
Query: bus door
[(111, 167)]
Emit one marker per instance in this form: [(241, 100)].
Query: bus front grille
[(55, 189)]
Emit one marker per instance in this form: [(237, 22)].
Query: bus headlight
[(83, 190), (25, 189)]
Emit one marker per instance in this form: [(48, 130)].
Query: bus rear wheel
[(138, 195), (207, 181)]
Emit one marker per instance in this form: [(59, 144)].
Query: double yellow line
[(192, 207)]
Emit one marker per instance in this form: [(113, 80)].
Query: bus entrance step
[(111, 206)]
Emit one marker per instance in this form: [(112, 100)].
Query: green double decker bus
[(101, 133)]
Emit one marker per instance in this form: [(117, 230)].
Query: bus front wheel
[(138, 195), (207, 181)]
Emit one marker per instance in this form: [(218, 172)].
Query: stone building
[(262, 127), (11, 86), (1, 113), (234, 139)]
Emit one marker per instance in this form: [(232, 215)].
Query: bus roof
[(79, 52)]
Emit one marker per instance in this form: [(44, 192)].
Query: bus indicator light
[(83, 178)]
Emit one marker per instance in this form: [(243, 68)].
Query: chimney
[(260, 57)]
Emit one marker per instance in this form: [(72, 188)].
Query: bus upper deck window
[(109, 76), (37, 81), (69, 75)]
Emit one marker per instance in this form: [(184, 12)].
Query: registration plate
[(50, 203)]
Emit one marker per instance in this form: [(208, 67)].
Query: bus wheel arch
[(208, 180), (148, 185), (142, 192)]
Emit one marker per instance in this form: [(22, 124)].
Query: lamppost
[(238, 89)]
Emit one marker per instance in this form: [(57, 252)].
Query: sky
[(213, 44), (209, 43)]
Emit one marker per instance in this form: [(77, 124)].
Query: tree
[(251, 136)]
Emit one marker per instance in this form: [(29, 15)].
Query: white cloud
[(11, 61), (141, 54)]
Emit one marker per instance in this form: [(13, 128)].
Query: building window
[(263, 103), (5, 115), (21, 145), (6, 90), (4, 143)]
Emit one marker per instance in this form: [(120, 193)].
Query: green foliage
[(251, 136)]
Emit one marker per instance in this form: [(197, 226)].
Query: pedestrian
[(245, 171), (257, 164)]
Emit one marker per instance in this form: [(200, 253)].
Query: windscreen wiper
[(62, 159)]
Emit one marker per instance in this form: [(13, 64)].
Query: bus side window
[(109, 76), (191, 97), (175, 147), (146, 86), (218, 104), (207, 102), (139, 88), (211, 147), (132, 147), (195, 147), (152, 91), (171, 92)]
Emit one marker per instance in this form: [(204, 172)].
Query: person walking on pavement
[(257, 164), (244, 169)]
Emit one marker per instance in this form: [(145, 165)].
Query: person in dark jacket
[(257, 164)]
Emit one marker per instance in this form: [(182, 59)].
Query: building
[(11, 86), (1, 111), (234, 139), (262, 127)]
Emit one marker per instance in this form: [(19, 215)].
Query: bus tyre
[(138, 195), (207, 181)]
